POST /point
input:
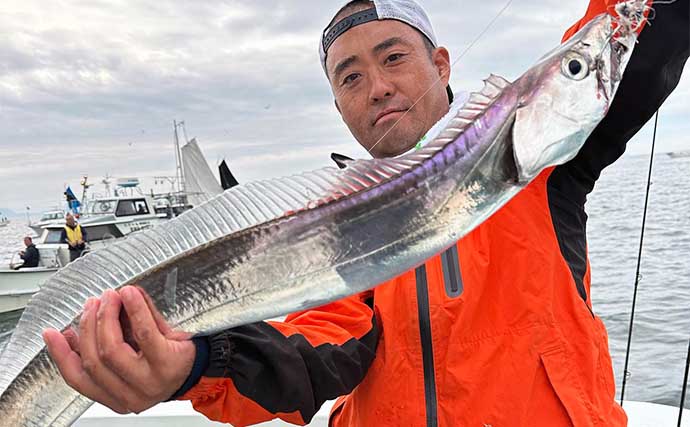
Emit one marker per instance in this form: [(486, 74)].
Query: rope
[(685, 386), (626, 373)]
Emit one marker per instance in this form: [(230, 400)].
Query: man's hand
[(99, 364)]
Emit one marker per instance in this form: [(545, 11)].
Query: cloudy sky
[(89, 87)]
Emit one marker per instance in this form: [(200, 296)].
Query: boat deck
[(180, 414)]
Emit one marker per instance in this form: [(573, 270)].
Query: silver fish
[(273, 247)]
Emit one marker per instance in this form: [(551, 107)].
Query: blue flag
[(72, 200)]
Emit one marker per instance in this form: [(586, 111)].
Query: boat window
[(102, 207), (102, 232), (49, 216), (53, 236), (132, 207)]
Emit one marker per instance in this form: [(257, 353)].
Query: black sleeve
[(652, 74), (63, 237), (285, 373), (84, 234)]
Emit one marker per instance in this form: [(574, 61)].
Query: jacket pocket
[(567, 387)]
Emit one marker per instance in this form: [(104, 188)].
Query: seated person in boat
[(30, 255), (74, 236)]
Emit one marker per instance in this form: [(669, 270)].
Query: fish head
[(563, 97)]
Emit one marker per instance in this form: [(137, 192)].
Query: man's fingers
[(70, 366), (90, 357), (72, 339), (112, 349), (144, 328), (163, 325), (157, 316)]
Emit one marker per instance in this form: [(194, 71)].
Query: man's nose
[(381, 87)]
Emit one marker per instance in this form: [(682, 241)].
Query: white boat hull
[(181, 414), (17, 286)]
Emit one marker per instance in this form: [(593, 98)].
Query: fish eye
[(575, 67)]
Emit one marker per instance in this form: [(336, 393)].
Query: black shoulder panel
[(289, 374), (652, 74)]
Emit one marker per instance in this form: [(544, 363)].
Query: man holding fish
[(498, 330)]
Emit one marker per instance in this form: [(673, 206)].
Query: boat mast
[(179, 171), (106, 182), (85, 187)]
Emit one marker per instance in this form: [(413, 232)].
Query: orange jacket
[(496, 331)]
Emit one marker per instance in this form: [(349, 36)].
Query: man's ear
[(441, 60)]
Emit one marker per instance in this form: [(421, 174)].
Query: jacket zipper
[(452, 277), (427, 347)]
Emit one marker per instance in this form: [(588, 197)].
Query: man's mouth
[(388, 114)]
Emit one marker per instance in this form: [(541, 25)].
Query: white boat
[(114, 217), (181, 414), (106, 221), (17, 286), (3, 220), (109, 218), (48, 218)]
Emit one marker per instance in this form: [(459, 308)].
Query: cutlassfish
[(278, 246)]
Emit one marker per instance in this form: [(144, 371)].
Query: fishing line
[(626, 373), (685, 386), (481, 34)]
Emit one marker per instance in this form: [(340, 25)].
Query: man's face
[(378, 71), (69, 219), (27, 241)]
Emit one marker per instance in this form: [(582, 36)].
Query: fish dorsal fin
[(464, 114), (126, 261)]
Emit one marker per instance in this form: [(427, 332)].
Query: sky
[(91, 87)]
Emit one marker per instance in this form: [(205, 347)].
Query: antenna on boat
[(85, 187), (107, 179)]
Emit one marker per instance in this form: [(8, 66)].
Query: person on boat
[(30, 255), (497, 331), (74, 236)]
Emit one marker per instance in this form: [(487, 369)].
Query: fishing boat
[(118, 214), (106, 221), (17, 286), (3, 220), (56, 216)]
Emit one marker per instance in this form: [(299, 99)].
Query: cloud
[(92, 86)]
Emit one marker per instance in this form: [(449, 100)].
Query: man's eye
[(394, 57), (351, 78)]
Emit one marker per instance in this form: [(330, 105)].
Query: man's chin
[(390, 147)]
